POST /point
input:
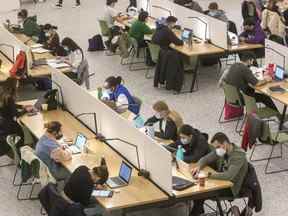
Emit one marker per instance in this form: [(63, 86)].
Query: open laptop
[(123, 179), (78, 144), (186, 34), (279, 73), (233, 39)]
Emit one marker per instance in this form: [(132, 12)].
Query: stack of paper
[(40, 50)]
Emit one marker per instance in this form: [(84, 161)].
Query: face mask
[(220, 152), (212, 13), (66, 49), (158, 115), (108, 91), (47, 34), (184, 141)]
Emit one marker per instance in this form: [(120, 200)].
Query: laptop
[(123, 178), (186, 34), (279, 73), (78, 144)]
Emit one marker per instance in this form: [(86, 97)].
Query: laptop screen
[(186, 34), (80, 141), (279, 73), (125, 172)]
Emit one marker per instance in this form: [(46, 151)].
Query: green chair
[(104, 28), (134, 53), (232, 98), (262, 112), (154, 53)]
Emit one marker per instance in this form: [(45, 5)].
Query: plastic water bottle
[(180, 153)]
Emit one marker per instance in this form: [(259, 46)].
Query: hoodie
[(272, 20), (218, 14), (256, 36), (30, 27)]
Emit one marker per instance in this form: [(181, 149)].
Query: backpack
[(43, 84), (96, 43), (19, 68)]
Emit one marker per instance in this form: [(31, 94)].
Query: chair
[(134, 53), (272, 138), (154, 52), (232, 98), (104, 28)]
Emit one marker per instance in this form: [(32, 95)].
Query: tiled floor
[(201, 108)]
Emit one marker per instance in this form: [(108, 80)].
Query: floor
[(200, 109)]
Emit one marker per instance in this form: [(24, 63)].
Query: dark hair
[(49, 27), (23, 13), (143, 16), (71, 45), (109, 2), (246, 56), (101, 172), (213, 6), (171, 19), (272, 6), (113, 81), (8, 90), (53, 127), (249, 22), (186, 130), (220, 137)]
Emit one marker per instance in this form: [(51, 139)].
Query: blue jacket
[(123, 90)]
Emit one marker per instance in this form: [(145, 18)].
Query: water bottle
[(180, 153), (100, 93)]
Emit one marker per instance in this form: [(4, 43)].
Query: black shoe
[(58, 6)]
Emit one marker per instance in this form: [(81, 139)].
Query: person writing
[(164, 36), (194, 143), (169, 121), (231, 165), (52, 153), (115, 91), (88, 179)]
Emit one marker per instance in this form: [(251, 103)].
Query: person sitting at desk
[(214, 11), (164, 36), (231, 164), (111, 15), (82, 182), (51, 152), (75, 56), (9, 112), (52, 40), (118, 93), (253, 32), (29, 24), (194, 143), (240, 76), (169, 121)]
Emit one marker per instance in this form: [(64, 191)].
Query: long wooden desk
[(140, 193), (244, 47)]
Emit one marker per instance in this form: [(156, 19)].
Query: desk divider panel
[(112, 125), (276, 53)]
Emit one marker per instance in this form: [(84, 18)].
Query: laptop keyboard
[(118, 181)]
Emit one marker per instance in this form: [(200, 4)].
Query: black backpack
[(96, 43)]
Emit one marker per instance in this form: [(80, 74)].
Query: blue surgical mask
[(66, 49), (185, 141), (108, 91)]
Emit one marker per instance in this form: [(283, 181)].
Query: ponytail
[(113, 81)]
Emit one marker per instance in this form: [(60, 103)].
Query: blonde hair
[(160, 106), (176, 117)]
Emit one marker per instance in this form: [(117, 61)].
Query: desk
[(128, 23), (5, 67), (244, 47), (70, 125)]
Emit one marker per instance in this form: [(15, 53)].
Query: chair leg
[(271, 158), (266, 158), (30, 193)]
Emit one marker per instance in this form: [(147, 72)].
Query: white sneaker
[(77, 6)]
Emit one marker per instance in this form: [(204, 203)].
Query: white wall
[(8, 5)]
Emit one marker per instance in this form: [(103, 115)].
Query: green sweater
[(235, 167), (30, 27), (138, 30)]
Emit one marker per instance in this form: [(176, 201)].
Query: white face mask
[(158, 115), (184, 141), (66, 48), (220, 152), (47, 34), (108, 91)]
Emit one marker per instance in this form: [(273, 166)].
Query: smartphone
[(102, 193)]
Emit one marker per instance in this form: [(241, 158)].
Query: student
[(115, 91), (231, 165), (164, 36), (194, 143), (60, 4), (111, 14), (29, 24), (87, 179), (52, 40), (214, 11), (272, 22), (253, 32), (250, 11), (169, 121), (9, 113), (51, 152), (75, 55), (240, 76), (139, 29)]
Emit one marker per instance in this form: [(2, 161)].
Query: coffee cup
[(202, 179)]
